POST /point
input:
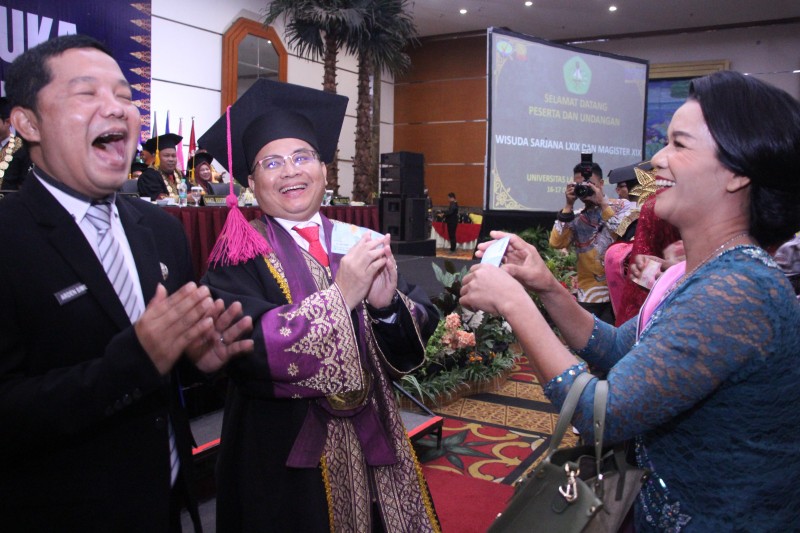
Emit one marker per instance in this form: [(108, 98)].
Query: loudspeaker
[(403, 218), (403, 173), (411, 159), (425, 248), (391, 216), (415, 217)]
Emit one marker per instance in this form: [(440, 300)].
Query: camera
[(581, 189)]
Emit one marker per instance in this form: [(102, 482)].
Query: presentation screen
[(549, 103)]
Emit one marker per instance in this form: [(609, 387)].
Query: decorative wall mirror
[(250, 51)]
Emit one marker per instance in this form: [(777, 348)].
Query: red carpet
[(465, 504)]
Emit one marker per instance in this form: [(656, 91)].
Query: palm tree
[(317, 29), (388, 30)]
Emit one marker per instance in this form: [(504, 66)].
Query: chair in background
[(419, 424), (130, 186), (222, 189)]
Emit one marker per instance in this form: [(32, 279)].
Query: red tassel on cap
[(238, 241)]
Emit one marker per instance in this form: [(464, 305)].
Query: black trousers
[(451, 231)]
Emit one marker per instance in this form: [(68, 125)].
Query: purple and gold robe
[(312, 439)]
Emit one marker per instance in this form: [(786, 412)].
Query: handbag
[(581, 489)]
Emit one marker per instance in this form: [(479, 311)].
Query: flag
[(167, 126), (192, 147), (179, 148), (192, 142), (156, 159), (154, 128)]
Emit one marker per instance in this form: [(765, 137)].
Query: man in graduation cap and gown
[(161, 179), (312, 438)]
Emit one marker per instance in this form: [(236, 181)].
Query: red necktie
[(311, 234)]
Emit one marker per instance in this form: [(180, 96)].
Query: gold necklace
[(641, 324), (716, 253)]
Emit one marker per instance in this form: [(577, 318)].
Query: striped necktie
[(311, 234), (113, 260)]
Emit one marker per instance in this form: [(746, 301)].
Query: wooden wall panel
[(444, 143), (440, 111), (464, 180), (440, 101), (441, 59)]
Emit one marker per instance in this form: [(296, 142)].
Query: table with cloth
[(466, 236), (203, 224)]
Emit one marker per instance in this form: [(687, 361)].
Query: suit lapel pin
[(164, 271)]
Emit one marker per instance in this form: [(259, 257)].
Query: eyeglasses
[(274, 163)]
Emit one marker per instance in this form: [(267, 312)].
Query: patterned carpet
[(495, 436)]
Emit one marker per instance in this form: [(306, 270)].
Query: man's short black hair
[(596, 170), (5, 108), (29, 73)]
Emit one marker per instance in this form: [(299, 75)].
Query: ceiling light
[(462, 11), (528, 3), (612, 8)]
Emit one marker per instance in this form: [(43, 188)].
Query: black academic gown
[(83, 411), (18, 169), (256, 490), (151, 184)]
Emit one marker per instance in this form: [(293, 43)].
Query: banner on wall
[(123, 26)]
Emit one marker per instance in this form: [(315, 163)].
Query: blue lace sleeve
[(688, 349), (608, 344)]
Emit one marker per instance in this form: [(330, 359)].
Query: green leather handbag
[(564, 493)]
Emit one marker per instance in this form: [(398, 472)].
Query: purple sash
[(310, 442)]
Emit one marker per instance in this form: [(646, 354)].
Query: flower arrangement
[(466, 347), (472, 347)]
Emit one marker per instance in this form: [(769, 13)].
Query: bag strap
[(568, 409), (600, 402)]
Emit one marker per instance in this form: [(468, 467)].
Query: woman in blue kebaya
[(705, 378)]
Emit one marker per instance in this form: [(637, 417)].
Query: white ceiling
[(576, 20)]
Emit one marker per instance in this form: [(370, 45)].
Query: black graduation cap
[(138, 166), (198, 159), (168, 140), (271, 110), (628, 173)]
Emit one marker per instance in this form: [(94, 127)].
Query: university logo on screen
[(577, 76)]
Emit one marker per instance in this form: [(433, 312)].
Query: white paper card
[(345, 236), (493, 255)]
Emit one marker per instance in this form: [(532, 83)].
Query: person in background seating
[(14, 160), (198, 168), (162, 180)]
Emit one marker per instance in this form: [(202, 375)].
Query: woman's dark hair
[(29, 73), (757, 130)]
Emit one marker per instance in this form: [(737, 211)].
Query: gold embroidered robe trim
[(172, 187), (625, 223), (404, 499), (334, 347), (7, 155)]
